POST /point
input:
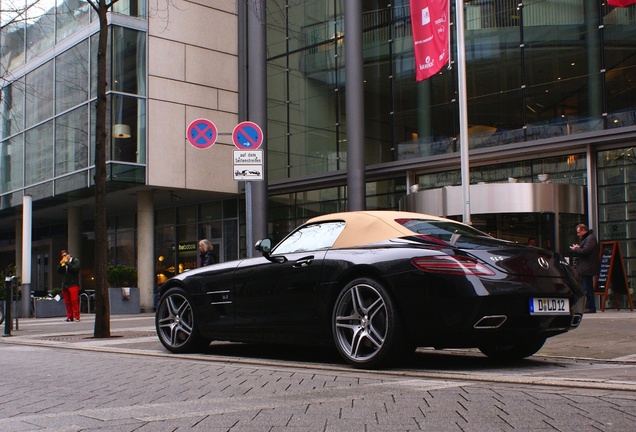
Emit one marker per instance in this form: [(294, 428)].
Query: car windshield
[(449, 232), (310, 237)]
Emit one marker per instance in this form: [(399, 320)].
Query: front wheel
[(365, 325), (511, 351), (176, 323)]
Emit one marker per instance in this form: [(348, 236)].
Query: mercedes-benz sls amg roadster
[(377, 285)]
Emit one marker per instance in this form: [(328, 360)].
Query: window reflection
[(311, 238), (40, 27), (533, 72), (11, 164), (39, 153), (39, 97), (71, 141), (12, 103), (72, 15), (129, 59), (71, 77), (13, 35)]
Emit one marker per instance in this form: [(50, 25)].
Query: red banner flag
[(431, 40), (621, 3)]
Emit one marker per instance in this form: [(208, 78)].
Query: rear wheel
[(365, 325), (176, 323), (511, 351)]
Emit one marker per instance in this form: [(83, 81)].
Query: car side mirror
[(264, 246)]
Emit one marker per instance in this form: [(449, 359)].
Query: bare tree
[(102, 304), (14, 14)]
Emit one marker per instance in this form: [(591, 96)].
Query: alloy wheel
[(361, 323), (175, 321)]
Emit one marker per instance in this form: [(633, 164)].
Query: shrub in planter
[(121, 276), (7, 272), (123, 293)]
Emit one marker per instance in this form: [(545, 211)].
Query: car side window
[(440, 229), (310, 237)]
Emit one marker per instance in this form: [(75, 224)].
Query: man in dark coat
[(588, 263)]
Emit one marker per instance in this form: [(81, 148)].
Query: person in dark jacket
[(588, 263), (206, 253), (70, 268)]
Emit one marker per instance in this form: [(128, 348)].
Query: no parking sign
[(247, 136), (202, 133)]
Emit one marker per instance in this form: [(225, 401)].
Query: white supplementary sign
[(248, 172), (248, 165), (248, 157)]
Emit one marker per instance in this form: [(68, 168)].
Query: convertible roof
[(366, 227)]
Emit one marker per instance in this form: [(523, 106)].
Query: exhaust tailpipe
[(491, 322)]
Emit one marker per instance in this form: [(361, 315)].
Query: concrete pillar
[(424, 120), (18, 247), (74, 236), (354, 106), (18, 258), (257, 112), (145, 250), (27, 249), (594, 65)]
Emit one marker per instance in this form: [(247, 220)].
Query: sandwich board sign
[(612, 274)]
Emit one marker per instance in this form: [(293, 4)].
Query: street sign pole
[(248, 160), (249, 234), (248, 136)]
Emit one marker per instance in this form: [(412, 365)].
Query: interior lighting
[(121, 131)]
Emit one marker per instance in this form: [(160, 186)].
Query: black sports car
[(378, 284)]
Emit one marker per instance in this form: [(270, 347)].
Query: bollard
[(8, 281)]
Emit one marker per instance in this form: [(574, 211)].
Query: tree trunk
[(102, 305)]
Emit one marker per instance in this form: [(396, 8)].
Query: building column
[(424, 119), (74, 234), (594, 65), (145, 250), (256, 191), (354, 106), (18, 263), (18, 247)]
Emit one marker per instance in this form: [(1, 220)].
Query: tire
[(513, 351), (365, 325), (176, 323)]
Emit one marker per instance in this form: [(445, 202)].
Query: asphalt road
[(56, 377)]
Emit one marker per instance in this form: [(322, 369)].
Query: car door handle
[(303, 262)]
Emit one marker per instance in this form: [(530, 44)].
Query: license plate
[(549, 306)]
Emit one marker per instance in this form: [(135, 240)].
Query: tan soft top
[(366, 227)]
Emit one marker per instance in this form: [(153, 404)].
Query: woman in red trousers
[(70, 268)]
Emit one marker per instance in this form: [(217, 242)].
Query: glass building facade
[(536, 70), (48, 99), (550, 90), (48, 72)]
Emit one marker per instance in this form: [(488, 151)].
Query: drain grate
[(75, 337)]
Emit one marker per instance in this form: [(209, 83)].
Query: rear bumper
[(481, 320)]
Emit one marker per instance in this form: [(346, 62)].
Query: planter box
[(49, 308), (16, 309), (124, 301)]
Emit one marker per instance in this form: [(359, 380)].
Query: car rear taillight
[(452, 265)]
